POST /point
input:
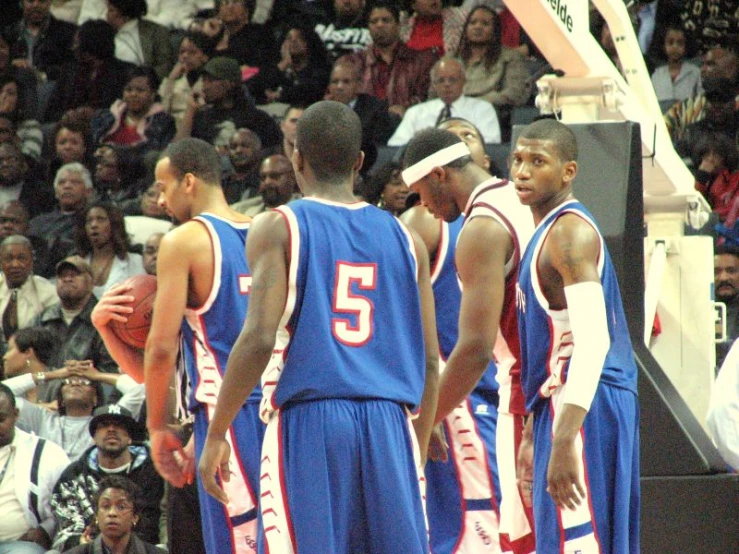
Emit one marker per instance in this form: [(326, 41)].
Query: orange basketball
[(134, 331)]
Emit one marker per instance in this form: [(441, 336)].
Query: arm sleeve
[(134, 394)]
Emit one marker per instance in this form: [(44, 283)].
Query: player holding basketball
[(452, 178), (578, 370), (203, 287), (344, 289)]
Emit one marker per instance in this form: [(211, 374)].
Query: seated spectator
[(722, 420), (25, 502), (185, 79), (289, 127), (70, 142), (726, 290), (11, 106), (244, 149), (23, 296), (149, 218), (301, 74), (102, 241), (386, 189), (138, 119), (492, 72), (29, 351), (138, 41), (119, 450), (117, 511), (14, 221), (120, 174), (390, 70), (677, 79), (18, 183), (433, 27), (226, 108), (75, 337), (24, 76), (40, 41), (716, 176), (277, 186), (77, 397), (73, 188), (95, 78), (151, 249), (345, 30), (448, 80), (173, 14)]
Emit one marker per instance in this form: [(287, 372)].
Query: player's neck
[(540, 211), (331, 192), (108, 461)]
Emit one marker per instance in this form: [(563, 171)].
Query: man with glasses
[(118, 450), (277, 186), (447, 80)]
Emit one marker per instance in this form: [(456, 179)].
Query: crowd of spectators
[(92, 90)]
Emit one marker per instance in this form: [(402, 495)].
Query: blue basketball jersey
[(545, 334), (352, 322), (209, 331)]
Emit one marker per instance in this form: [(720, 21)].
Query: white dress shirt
[(128, 43)]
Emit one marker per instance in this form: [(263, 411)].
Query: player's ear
[(569, 172), (358, 162), (298, 161)]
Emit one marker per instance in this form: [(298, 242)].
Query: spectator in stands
[(138, 41), (726, 290), (386, 189), (34, 465), (149, 218), (448, 80), (119, 450), (390, 70), (717, 177), (345, 31), (29, 351), (432, 27), (185, 79), (70, 142), (17, 183), (151, 249), (226, 108), (11, 106), (120, 174), (76, 338), (277, 186), (77, 397), (102, 241), (289, 127), (14, 221), (95, 78), (25, 77), (138, 119), (40, 41), (23, 295), (677, 79), (300, 75), (244, 149), (73, 188)]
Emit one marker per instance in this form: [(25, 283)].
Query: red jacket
[(721, 192)]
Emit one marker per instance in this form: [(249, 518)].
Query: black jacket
[(53, 45)]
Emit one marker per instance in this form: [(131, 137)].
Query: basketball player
[(578, 371), (202, 290), (344, 288), (464, 497)]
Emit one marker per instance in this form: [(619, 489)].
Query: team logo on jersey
[(520, 299)]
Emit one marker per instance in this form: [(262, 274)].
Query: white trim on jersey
[(411, 245), (358, 205), (217, 263), (441, 251)]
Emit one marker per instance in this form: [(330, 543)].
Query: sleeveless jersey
[(209, 331), (351, 327), (546, 336), (498, 200)]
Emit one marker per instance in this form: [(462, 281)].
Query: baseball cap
[(121, 416), (223, 68), (73, 262)]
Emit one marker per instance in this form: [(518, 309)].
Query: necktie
[(445, 113), (10, 315)]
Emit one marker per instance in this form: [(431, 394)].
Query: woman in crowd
[(25, 77), (29, 351), (70, 142), (385, 188), (119, 173), (12, 105), (103, 242), (138, 119), (117, 511)]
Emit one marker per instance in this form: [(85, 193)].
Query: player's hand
[(525, 470), (214, 460), (563, 475), (88, 536), (438, 445), (82, 368), (114, 305), (170, 459)]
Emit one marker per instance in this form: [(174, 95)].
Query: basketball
[(134, 331)]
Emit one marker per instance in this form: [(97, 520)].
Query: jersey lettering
[(244, 284), (345, 301)]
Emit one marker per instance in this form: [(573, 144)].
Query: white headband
[(419, 170)]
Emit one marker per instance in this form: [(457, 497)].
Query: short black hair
[(5, 390), (329, 137), (559, 133), (97, 38), (132, 9), (196, 156), (726, 250), (431, 141), (385, 5), (147, 73), (132, 490), (41, 339)]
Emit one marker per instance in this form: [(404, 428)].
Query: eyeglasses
[(77, 381), (120, 507)]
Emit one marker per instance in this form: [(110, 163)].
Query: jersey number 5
[(346, 302)]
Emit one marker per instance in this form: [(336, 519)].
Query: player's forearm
[(424, 423), (464, 369), (129, 360), (159, 366), (569, 422)]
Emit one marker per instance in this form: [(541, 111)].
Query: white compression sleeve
[(586, 307)]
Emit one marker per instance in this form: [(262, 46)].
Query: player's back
[(210, 330), (352, 323)]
